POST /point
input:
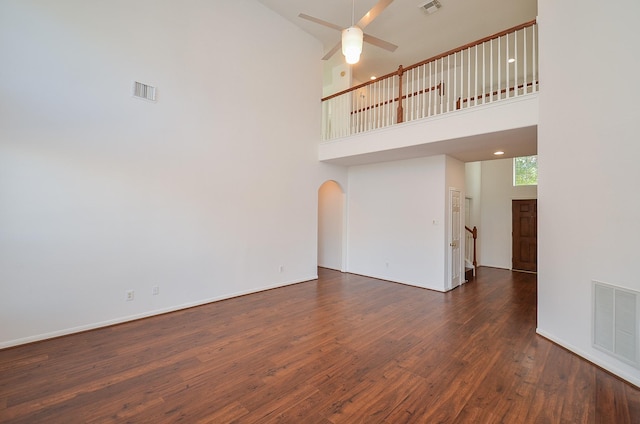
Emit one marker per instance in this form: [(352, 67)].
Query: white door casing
[(455, 236)]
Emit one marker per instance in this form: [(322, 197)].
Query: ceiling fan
[(353, 36)]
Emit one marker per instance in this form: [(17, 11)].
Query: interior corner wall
[(473, 187), (454, 179), (396, 215), (497, 192), (588, 150), (201, 193), (455, 175), (340, 79)]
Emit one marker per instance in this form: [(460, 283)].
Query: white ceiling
[(417, 34)]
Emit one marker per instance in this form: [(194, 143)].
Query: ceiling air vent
[(144, 91), (430, 6)]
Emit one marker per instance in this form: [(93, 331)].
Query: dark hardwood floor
[(342, 349)]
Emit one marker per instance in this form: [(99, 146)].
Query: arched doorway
[(331, 226)]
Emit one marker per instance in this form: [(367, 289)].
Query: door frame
[(340, 231), (513, 235), (450, 283)]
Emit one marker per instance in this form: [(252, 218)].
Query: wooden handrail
[(460, 100), (439, 87), (402, 69), (402, 95), (474, 232), (474, 43)]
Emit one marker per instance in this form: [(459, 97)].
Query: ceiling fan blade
[(332, 51), (320, 21), (373, 13), (380, 43)]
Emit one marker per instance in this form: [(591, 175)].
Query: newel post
[(475, 237), (400, 110)]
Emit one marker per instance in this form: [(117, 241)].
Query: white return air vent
[(431, 6), (616, 325), (144, 91)]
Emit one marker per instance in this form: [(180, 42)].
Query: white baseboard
[(120, 320), (632, 378)]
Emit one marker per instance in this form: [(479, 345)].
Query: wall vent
[(431, 6), (616, 325), (144, 91)]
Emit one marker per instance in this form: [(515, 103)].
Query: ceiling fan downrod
[(352, 39)]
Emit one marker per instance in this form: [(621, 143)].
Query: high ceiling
[(417, 34)]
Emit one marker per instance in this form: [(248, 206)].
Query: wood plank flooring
[(342, 349)]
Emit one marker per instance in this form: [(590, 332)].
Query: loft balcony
[(463, 102)]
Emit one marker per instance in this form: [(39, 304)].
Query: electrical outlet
[(129, 295), (155, 290)]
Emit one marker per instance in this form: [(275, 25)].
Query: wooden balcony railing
[(498, 67)]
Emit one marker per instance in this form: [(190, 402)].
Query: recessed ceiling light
[(511, 60), (498, 153), (373, 77)]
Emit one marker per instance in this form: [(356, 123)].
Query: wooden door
[(525, 235)]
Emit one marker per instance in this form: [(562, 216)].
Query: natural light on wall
[(525, 170)]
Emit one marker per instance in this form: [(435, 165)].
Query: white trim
[(449, 230), (345, 231), (108, 323), (632, 378)]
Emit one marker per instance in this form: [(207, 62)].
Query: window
[(525, 170)]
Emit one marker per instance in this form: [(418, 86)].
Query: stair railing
[(471, 254), (498, 67)]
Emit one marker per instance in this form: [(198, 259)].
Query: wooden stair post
[(470, 273)]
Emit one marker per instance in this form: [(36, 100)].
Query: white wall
[(588, 167), (494, 231), (392, 209), (455, 175), (454, 179), (201, 193), (340, 79), (473, 190), (331, 225)]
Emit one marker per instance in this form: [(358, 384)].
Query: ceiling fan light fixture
[(352, 38)]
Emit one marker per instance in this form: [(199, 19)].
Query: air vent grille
[(431, 6), (615, 322), (144, 91)]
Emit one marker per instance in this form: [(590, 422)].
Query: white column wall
[(588, 166)]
